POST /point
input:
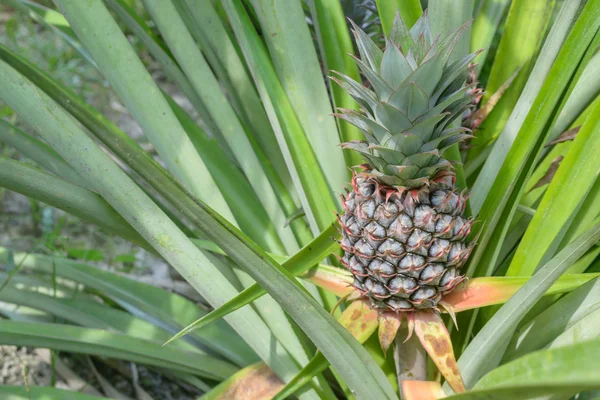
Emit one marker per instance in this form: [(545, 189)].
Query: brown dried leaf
[(547, 178), (565, 136), (435, 338), (255, 382), (360, 320), (389, 323)]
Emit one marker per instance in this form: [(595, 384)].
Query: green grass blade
[(335, 45), (483, 351), (569, 370), (39, 152), (316, 199), (519, 110), (521, 39), (410, 11), (297, 66), (29, 181), (42, 393), (108, 344), (207, 87), (500, 204), (556, 319), (134, 85), (300, 262), (574, 179), (485, 26)]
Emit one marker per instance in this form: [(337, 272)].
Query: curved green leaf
[(114, 345), (563, 370), (489, 344)]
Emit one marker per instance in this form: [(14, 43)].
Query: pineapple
[(404, 235)]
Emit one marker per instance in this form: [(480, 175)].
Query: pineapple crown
[(416, 92)]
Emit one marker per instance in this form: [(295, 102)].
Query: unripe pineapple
[(403, 233)]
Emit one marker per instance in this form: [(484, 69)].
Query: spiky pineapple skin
[(405, 248)]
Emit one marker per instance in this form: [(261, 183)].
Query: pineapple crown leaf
[(416, 88)]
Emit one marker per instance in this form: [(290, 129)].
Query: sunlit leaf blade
[(109, 344), (556, 319), (563, 370), (434, 337), (256, 381), (410, 11), (218, 40), (336, 45), (487, 19), (205, 84), (300, 262), (575, 177), (521, 39), (501, 203), (311, 185), (296, 64), (484, 350), (134, 85), (512, 112)]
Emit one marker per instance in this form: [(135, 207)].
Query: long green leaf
[(297, 264), (483, 351), (560, 316), (485, 26), (39, 152), (168, 64), (499, 206), (109, 344), (205, 84), (128, 77), (167, 310), (29, 181), (315, 195), (515, 105), (575, 177), (336, 45), (564, 370), (296, 64), (410, 11), (216, 37), (521, 39)]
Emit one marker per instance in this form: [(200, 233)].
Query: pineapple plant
[(404, 233), (242, 202)]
